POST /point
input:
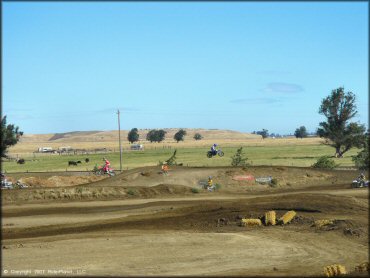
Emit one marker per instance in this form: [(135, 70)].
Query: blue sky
[(242, 66)]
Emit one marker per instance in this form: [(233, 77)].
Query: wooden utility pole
[(119, 139)]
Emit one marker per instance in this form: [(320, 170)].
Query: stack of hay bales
[(269, 219), (334, 270)]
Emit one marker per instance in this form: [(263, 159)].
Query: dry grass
[(323, 222), (109, 139)]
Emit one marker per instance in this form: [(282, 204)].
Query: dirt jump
[(142, 222)]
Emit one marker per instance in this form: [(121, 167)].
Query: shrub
[(195, 190), (131, 192), (21, 161), (239, 159), (362, 160), (324, 162), (198, 136)]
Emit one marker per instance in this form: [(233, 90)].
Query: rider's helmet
[(215, 145), (210, 177)]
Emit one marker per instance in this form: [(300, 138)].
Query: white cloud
[(280, 87)]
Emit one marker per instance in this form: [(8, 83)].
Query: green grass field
[(289, 155)]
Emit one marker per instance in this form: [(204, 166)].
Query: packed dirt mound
[(58, 181), (150, 182), (161, 190), (227, 177), (82, 192)]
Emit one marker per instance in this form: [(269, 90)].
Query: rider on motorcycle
[(107, 165), (361, 177), (213, 149)]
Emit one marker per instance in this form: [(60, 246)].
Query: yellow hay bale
[(251, 222), (287, 217), (270, 217), (324, 222), (334, 270)]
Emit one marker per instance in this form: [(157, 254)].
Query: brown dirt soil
[(143, 223)]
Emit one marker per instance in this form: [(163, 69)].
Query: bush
[(239, 159), (198, 136), (362, 160), (324, 162), (195, 190), (21, 161), (131, 192)]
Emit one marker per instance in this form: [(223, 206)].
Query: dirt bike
[(358, 183), (218, 152), (99, 171)]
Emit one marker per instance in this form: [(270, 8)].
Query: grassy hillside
[(282, 155), (269, 151)]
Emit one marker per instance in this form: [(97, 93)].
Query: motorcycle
[(99, 171), (359, 183), (219, 153)]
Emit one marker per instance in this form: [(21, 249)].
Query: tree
[(161, 134), (362, 160), (151, 136), (172, 159), (198, 136), (339, 108), (264, 133), (238, 159), (133, 135), (179, 136), (10, 135), (301, 132), (155, 135)]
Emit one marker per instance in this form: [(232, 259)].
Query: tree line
[(158, 135)]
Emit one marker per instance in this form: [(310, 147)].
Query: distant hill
[(105, 136)]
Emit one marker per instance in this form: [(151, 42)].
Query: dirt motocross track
[(141, 222)]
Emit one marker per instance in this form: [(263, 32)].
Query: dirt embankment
[(149, 182)]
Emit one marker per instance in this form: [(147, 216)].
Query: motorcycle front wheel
[(221, 153)]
